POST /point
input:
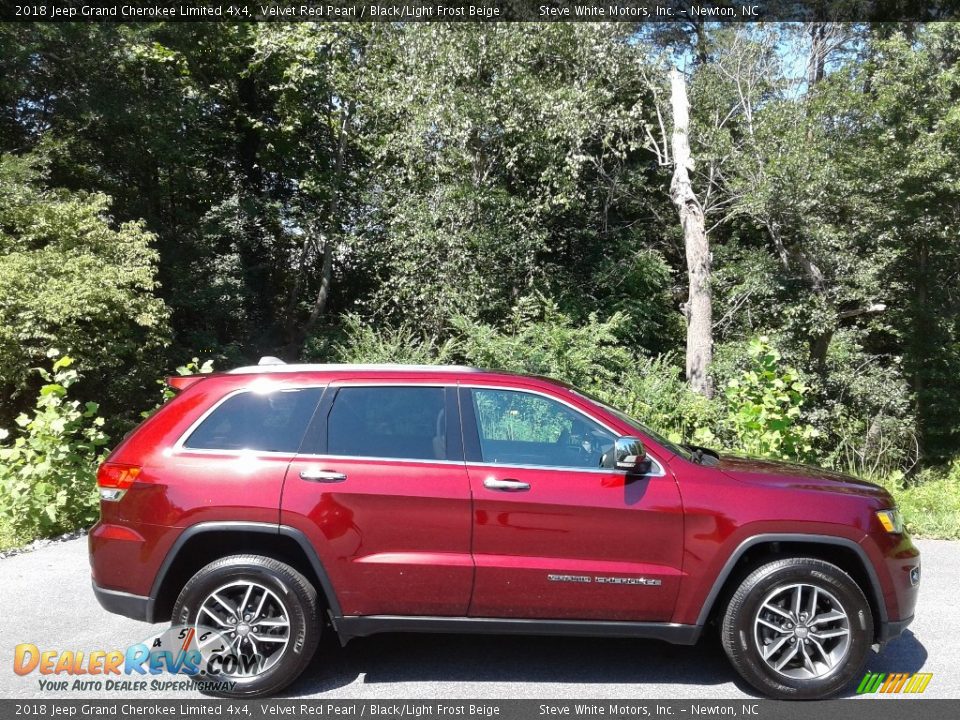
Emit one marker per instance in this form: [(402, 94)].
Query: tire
[(289, 611), (762, 614)]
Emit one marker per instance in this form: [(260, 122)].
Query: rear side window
[(388, 422), (266, 422)]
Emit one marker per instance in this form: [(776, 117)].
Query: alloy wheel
[(802, 631), (253, 620)]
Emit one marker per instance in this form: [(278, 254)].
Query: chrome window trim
[(563, 468), (341, 383), (270, 454), (179, 446), (568, 468), (661, 471), (372, 458)]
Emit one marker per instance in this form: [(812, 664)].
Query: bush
[(364, 343), (70, 277), (48, 472), (538, 339), (930, 502), (865, 411), (763, 407), (655, 393)]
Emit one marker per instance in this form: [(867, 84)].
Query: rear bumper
[(121, 603)]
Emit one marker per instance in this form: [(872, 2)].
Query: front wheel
[(798, 628), (256, 622)]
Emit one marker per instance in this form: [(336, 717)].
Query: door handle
[(505, 485), (324, 476)]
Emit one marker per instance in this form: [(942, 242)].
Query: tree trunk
[(816, 68), (818, 53), (297, 335), (699, 306)]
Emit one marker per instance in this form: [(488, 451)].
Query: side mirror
[(630, 455)]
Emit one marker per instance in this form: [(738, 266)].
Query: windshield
[(638, 426)]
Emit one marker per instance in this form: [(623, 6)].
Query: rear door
[(556, 535), (230, 463), (381, 489)]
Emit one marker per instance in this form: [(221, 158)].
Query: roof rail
[(282, 367)]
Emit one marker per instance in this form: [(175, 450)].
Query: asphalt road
[(45, 599)]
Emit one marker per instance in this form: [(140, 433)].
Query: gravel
[(42, 543)]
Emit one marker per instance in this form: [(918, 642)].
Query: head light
[(891, 520)]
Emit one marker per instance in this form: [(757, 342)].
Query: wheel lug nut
[(246, 617), (232, 621), (793, 640), (789, 626)]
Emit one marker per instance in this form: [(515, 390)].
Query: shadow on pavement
[(416, 658), (906, 654), (519, 659)]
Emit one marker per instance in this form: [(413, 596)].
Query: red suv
[(272, 503)]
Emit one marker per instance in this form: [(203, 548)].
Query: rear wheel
[(257, 624), (798, 628)]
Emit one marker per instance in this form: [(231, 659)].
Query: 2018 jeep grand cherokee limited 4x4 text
[(266, 504)]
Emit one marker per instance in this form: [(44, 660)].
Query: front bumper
[(892, 629), (121, 603), (897, 576)]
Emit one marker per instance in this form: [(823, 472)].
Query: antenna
[(270, 360)]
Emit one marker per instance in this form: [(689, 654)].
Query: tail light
[(114, 479)]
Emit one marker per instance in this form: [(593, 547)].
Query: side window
[(267, 422), (519, 428), (388, 422)]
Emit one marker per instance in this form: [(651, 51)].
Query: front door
[(556, 535), (381, 490)]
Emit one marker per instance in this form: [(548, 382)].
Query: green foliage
[(517, 168), (367, 343), (68, 277), (764, 407), (930, 502), (48, 466), (865, 412), (538, 339), (193, 367), (655, 392)]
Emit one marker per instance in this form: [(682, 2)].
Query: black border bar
[(480, 10)]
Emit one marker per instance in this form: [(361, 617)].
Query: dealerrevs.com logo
[(198, 658)]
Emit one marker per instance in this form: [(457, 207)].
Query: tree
[(68, 278), (699, 306), (506, 160)]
